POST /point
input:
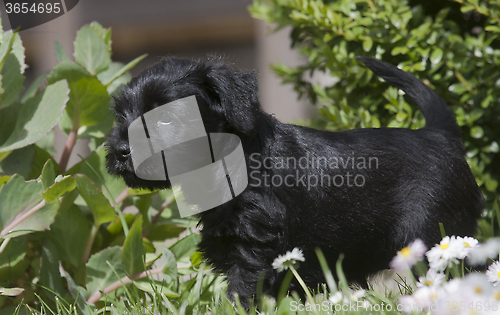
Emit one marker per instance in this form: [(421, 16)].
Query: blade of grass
[(330, 281)]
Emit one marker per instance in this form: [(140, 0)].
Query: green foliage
[(461, 66), (64, 238)]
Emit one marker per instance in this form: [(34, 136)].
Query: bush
[(456, 53)]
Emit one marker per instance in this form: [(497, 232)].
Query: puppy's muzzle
[(122, 152)]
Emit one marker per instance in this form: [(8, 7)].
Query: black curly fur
[(422, 178)]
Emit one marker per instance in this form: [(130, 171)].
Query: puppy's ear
[(237, 95)]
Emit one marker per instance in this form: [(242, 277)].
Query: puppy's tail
[(436, 114)]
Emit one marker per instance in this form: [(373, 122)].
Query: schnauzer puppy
[(365, 193)]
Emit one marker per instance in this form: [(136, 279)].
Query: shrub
[(64, 235), (457, 54)]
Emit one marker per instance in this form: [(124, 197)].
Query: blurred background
[(193, 29)]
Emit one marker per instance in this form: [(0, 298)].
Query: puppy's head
[(227, 99)]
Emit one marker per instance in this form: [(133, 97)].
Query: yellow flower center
[(406, 252), (498, 274), (496, 296), (466, 244), (479, 290), (427, 282), (444, 246)]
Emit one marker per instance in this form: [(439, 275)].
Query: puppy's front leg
[(243, 281), (241, 239)]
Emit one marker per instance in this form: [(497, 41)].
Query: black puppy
[(365, 192)]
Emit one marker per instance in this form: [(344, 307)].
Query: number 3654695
[(34, 8)]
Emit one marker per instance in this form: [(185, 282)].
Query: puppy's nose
[(122, 152)]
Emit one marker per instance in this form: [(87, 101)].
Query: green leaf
[(133, 250), (37, 117), (19, 162), (99, 130), (367, 44), (148, 245), (11, 43), (49, 271), (476, 132), (491, 185), (89, 100), (7, 125), (47, 144), (115, 227), (65, 123), (48, 174), (139, 191), (7, 41), (39, 160), (436, 56), (11, 291), (196, 259), (17, 198), (41, 220), (13, 253), (169, 265), (105, 34), (161, 232), (4, 155), (91, 50), (59, 188), (183, 248), (78, 293), (4, 179), (97, 203), (112, 73), (70, 231), (12, 80), (492, 28), (60, 53), (95, 168), (103, 269), (400, 116), (18, 51), (154, 287), (34, 87), (118, 83)]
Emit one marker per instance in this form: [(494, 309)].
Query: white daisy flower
[(339, 298), (480, 254), (358, 294), (495, 295), (493, 273), (425, 296), (452, 286), (450, 298), (431, 279), (468, 244), (445, 254), (420, 300), (336, 298), (464, 295), (407, 304), (409, 255), (477, 286), (283, 262)]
